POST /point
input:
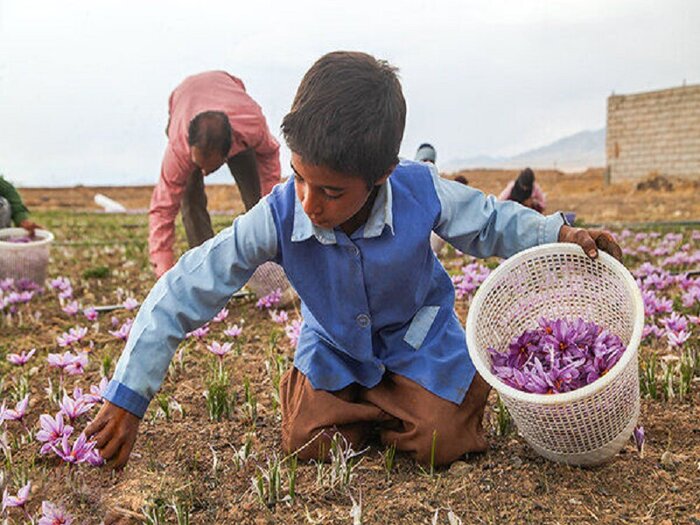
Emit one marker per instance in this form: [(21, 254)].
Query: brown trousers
[(405, 413), (195, 217)]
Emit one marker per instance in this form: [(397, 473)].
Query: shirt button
[(354, 250), (362, 320)]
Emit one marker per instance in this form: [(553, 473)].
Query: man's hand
[(115, 431), (591, 241), (30, 226)]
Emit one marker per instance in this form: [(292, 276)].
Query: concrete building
[(654, 132)]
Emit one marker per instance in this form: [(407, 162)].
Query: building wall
[(657, 132)]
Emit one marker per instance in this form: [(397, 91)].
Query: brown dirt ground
[(508, 484), (584, 193)]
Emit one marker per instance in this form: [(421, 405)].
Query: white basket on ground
[(270, 277), (591, 424), (19, 260)]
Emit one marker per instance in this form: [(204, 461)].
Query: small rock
[(674, 488), (460, 468), (574, 501), (668, 460), (516, 461)]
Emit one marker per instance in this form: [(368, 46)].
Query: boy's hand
[(115, 432), (591, 241)]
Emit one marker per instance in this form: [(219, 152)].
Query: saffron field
[(208, 449)]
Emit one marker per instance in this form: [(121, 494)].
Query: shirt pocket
[(420, 326)]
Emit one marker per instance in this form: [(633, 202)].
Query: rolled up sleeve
[(482, 226)]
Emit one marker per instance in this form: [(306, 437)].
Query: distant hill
[(573, 153)]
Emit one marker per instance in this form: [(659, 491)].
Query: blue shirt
[(373, 301)]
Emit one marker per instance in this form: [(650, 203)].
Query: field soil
[(584, 193), (184, 460)]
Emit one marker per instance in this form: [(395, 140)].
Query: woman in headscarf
[(524, 190)]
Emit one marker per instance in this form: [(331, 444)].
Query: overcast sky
[(84, 84)]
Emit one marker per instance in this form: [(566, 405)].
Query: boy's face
[(329, 198)]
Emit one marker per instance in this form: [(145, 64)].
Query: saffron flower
[(53, 430), (219, 350), (78, 364), (293, 330), (130, 304), (559, 356), (54, 515), (279, 317), (270, 300), (639, 439), (71, 308), (233, 331), (677, 339), (21, 358), (200, 333), (221, 316), (20, 500), (16, 414), (96, 392), (73, 336), (123, 332), (81, 451), (90, 314), (74, 408)]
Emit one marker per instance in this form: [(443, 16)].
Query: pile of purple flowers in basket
[(558, 356)]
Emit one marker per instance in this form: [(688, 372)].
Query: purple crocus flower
[(279, 317), (675, 322), (74, 408), (639, 439), (91, 314), (16, 414), (78, 364), (71, 308), (96, 392), (293, 331), (20, 500), (219, 350), (221, 316), (54, 515), (200, 333), (21, 358), (80, 452), (677, 339), (74, 335), (233, 331), (123, 332), (561, 355), (130, 304), (52, 431), (270, 300)]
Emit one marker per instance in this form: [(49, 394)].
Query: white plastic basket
[(589, 425), (269, 277), (24, 260)]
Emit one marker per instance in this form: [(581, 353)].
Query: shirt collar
[(380, 216)]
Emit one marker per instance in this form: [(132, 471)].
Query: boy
[(380, 344)]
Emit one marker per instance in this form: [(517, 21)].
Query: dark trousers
[(195, 216)]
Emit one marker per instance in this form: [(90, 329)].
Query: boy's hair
[(348, 115), (211, 132)]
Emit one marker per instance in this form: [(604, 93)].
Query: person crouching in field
[(524, 190), (212, 121), (380, 345), (13, 210)]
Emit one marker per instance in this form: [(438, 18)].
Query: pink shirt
[(210, 91), (538, 196)]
